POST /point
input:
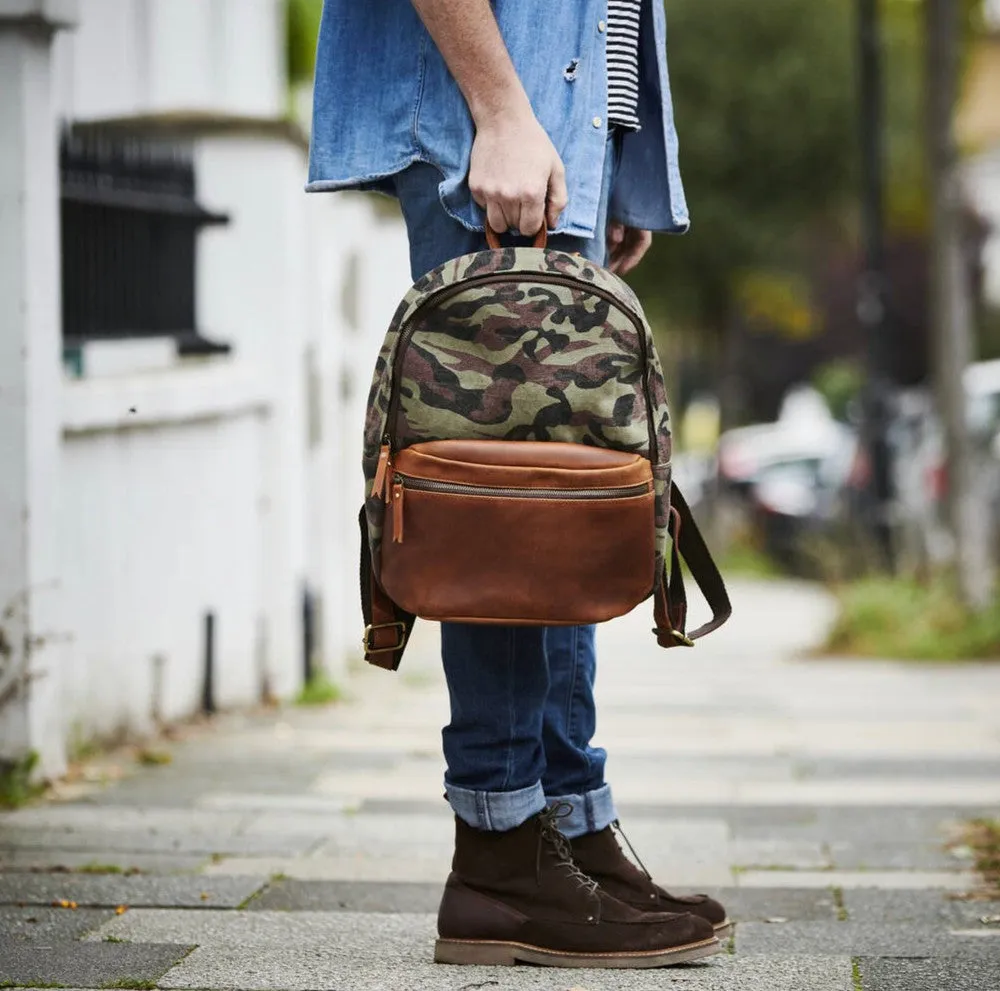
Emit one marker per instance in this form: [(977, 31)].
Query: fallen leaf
[(205, 896), (776, 918), (121, 910), (990, 920)]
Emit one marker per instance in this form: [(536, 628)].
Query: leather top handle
[(493, 238)]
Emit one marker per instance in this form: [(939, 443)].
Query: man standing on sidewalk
[(520, 113)]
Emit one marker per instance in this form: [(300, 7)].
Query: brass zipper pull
[(380, 471), (389, 483), (397, 511)]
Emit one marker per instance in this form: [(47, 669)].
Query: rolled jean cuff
[(592, 811), (496, 811)]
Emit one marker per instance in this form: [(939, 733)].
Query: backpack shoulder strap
[(670, 598), (387, 626)]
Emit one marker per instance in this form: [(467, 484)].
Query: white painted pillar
[(32, 640)]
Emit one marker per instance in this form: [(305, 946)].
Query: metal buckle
[(683, 640), (370, 648)]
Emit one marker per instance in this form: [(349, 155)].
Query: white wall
[(137, 57), (236, 481), (31, 652), (257, 291), (303, 288), (159, 524), (362, 273)]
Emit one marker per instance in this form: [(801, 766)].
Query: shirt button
[(596, 122), (601, 26)]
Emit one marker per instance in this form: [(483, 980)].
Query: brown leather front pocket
[(518, 532)]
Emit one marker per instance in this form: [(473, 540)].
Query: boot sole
[(723, 929), (494, 953)]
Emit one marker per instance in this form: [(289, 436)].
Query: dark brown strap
[(670, 598), (493, 238), (387, 626)]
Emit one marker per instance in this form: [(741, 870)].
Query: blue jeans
[(522, 698)]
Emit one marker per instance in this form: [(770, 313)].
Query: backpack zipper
[(400, 483), (537, 277)]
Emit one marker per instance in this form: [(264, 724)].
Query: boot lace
[(551, 834), (621, 832)]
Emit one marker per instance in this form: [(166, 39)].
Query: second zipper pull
[(381, 471), (397, 511)]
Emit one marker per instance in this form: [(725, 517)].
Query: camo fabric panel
[(503, 262), (522, 361), (519, 359)]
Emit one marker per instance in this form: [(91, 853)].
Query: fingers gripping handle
[(493, 238)]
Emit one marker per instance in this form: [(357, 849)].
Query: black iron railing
[(130, 223)]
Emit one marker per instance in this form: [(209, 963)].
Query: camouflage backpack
[(517, 457)]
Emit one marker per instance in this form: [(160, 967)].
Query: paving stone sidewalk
[(305, 849)]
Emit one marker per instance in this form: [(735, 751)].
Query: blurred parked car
[(805, 434), (693, 473), (800, 480), (982, 384), (920, 465), (799, 505), (790, 476)]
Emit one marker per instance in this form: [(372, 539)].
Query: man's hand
[(516, 174), (626, 247)]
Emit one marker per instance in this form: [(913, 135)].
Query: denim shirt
[(384, 98)]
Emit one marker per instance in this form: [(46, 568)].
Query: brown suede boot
[(517, 897), (599, 856)]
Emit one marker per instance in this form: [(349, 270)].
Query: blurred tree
[(903, 25), (302, 19), (952, 307), (764, 96), (766, 103), (990, 339), (839, 383)]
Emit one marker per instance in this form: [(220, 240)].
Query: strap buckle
[(682, 639), (369, 645)]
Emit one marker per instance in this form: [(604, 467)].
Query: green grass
[(320, 691), (744, 868), (904, 620), (253, 896), (744, 559), (418, 679), (983, 835), (97, 868), (29, 984), (82, 749), (17, 786), (838, 902), (856, 974), (135, 983), (153, 758), (114, 939)]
